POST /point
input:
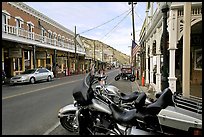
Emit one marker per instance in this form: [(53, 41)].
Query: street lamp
[(164, 81)]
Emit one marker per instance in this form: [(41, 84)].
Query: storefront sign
[(40, 55), (15, 53)]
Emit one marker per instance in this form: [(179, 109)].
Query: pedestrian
[(101, 73), (3, 76), (56, 70)]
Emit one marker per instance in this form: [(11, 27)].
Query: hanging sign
[(40, 55), (15, 53)]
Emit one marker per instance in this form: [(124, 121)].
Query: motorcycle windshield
[(83, 93)]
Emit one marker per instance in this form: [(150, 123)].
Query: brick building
[(31, 39)]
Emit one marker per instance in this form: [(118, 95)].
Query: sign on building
[(15, 53), (40, 55)]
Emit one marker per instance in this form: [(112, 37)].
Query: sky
[(108, 22)]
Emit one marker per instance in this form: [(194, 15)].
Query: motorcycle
[(120, 98), (95, 113), (126, 76)]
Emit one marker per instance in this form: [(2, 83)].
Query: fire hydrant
[(143, 79)]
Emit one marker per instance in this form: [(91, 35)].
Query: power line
[(116, 25), (103, 23), (138, 16)]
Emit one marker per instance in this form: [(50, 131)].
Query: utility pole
[(164, 9), (75, 61), (133, 30), (94, 52)]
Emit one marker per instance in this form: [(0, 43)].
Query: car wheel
[(48, 78), (32, 80)]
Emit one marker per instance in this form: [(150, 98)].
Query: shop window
[(198, 59), (48, 61), (18, 64)]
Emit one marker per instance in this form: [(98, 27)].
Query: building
[(184, 48), (31, 39)]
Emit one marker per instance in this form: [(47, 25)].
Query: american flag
[(135, 48)]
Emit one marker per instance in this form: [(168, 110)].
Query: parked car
[(32, 75)]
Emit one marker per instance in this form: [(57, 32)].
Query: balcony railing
[(194, 11), (20, 32)]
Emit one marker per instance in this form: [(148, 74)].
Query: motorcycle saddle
[(123, 116), (164, 100), (148, 113), (129, 97)]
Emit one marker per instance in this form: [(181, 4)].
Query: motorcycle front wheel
[(69, 122), (117, 77), (132, 79)]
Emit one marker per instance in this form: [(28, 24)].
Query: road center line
[(40, 89)]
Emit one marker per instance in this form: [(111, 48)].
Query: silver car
[(32, 75)]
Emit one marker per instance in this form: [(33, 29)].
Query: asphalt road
[(31, 109)]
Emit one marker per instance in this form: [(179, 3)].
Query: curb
[(136, 86)]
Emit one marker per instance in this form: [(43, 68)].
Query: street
[(31, 109)]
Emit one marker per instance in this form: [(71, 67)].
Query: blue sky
[(87, 15)]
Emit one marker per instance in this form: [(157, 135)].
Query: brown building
[(31, 39)]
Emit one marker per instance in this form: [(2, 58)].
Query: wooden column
[(172, 49), (158, 54), (147, 65), (23, 60), (2, 53), (151, 61), (186, 49)]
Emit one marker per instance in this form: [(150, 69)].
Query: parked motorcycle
[(95, 113), (112, 92), (125, 76)]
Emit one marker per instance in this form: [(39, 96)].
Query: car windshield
[(29, 71)]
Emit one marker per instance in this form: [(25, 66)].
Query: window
[(19, 22), (55, 36), (63, 40), (49, 36), (43, 70), (59, 40), (5, 20), (198, 59), (19, 26), (43, 34), (30, 29)]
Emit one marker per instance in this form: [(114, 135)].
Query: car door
[(45, 73), (41, 74), (37, 75)]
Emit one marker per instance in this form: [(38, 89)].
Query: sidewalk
[(126, 86), (137, 86)]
